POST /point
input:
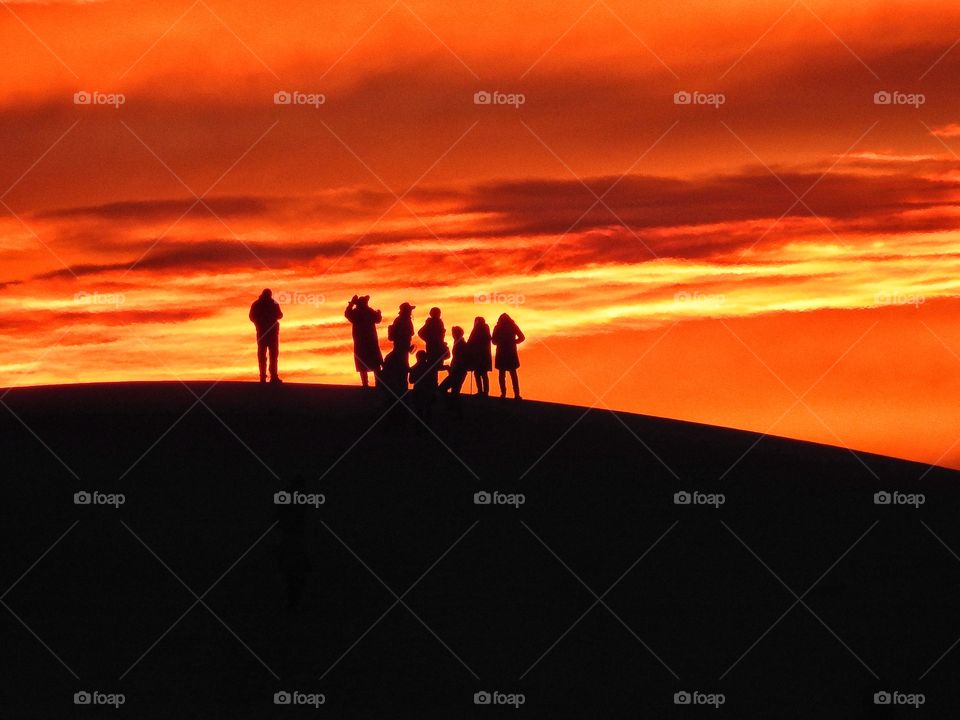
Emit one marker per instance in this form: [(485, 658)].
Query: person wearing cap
[(265, 315), (396, 365), (366, 344)]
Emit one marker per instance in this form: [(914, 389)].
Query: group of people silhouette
[(393, 372)]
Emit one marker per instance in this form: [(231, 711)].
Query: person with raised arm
[(366, 345)]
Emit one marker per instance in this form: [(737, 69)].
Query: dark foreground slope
[(598, 597)]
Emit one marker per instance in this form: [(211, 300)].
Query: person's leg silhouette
[(516, 384), (262, 359), (274, 352), (502, 377)]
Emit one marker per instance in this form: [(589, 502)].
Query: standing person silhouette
[(396, 365), (432, 333), (265, 315), (366, 345), (479, 354), (400, 332), (506, 336)]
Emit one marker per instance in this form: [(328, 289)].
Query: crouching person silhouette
[(393, 378), (265, 315), (457, 372), (423, 375)]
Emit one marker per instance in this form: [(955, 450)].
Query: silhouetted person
[(457, 372), (400, 332), (506, 336), (480, 355), (366, 344), (265, 315), (433, 333), (393, 377), (424, 378)]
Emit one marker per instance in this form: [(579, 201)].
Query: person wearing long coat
[(366, 344), (506, 336), (480, 361)]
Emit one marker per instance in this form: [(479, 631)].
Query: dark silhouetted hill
[(599, 596)]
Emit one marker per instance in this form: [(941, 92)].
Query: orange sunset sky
[(783, 260)]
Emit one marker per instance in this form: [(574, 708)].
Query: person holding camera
[(366, 345)]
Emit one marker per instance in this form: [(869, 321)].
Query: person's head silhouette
[(407, 308), (421, 356), (266, 294), (435, 312), (479, 322), (457, 332), (504, 319)]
